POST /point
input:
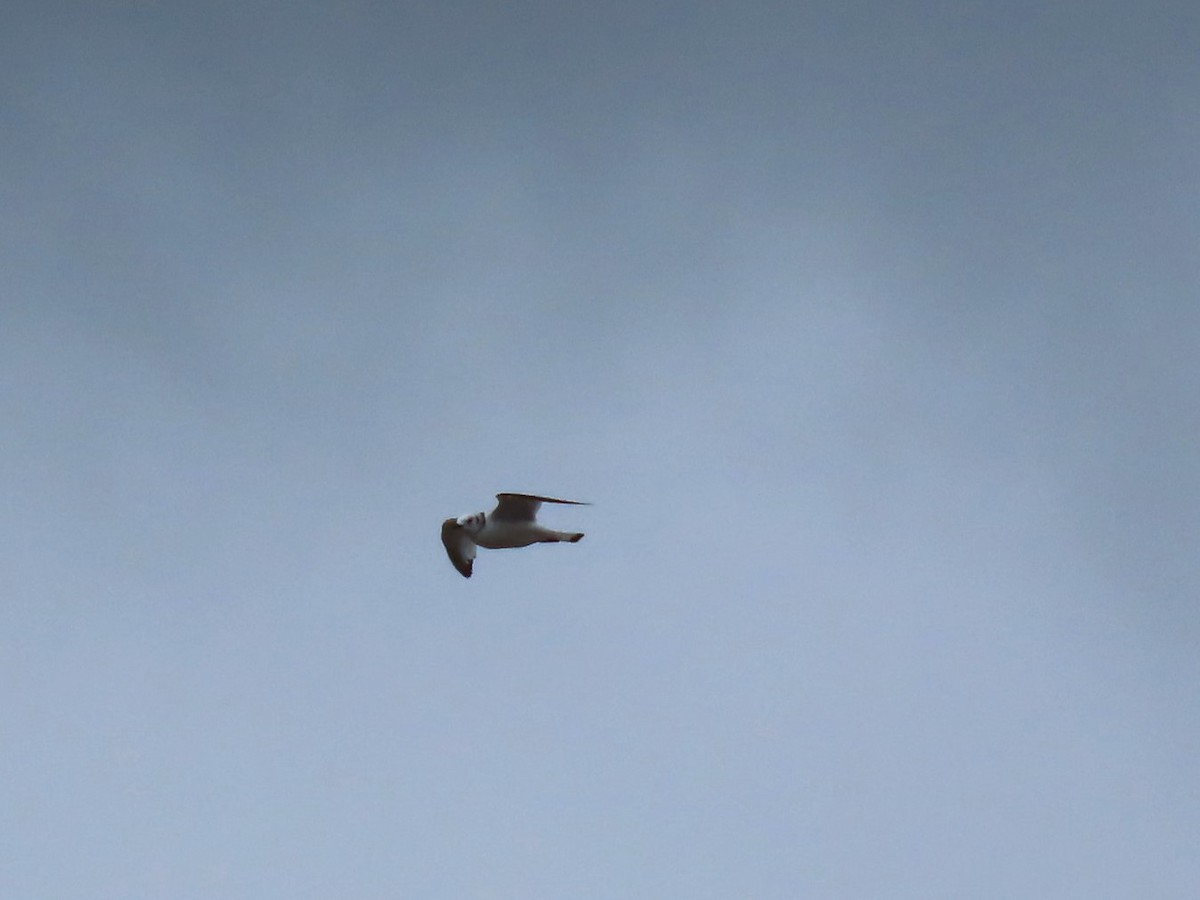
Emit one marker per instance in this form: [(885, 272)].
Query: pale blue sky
[(871, 331)]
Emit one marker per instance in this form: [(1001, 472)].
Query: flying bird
[(513, 523)]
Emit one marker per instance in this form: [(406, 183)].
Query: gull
[(511, 524)]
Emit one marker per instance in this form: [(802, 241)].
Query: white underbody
[(499, 535)]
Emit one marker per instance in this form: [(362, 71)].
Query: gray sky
[(870, 329)]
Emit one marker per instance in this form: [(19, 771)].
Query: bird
[(513, 523)]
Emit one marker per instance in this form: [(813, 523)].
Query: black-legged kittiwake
[(512, 523)]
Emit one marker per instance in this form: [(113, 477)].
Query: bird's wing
[(459, 547), (524, 507)]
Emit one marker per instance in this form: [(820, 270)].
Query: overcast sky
[(872, 331)]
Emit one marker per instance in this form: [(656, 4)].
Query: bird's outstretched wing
[(459, 547), (524, 507)]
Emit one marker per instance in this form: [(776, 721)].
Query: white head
[(472, 523)]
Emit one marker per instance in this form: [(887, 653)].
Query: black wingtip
[(542, 499), (576, 538)]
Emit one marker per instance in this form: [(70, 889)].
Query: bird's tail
[(558, 537)]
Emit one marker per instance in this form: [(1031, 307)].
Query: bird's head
[(472, 523)]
